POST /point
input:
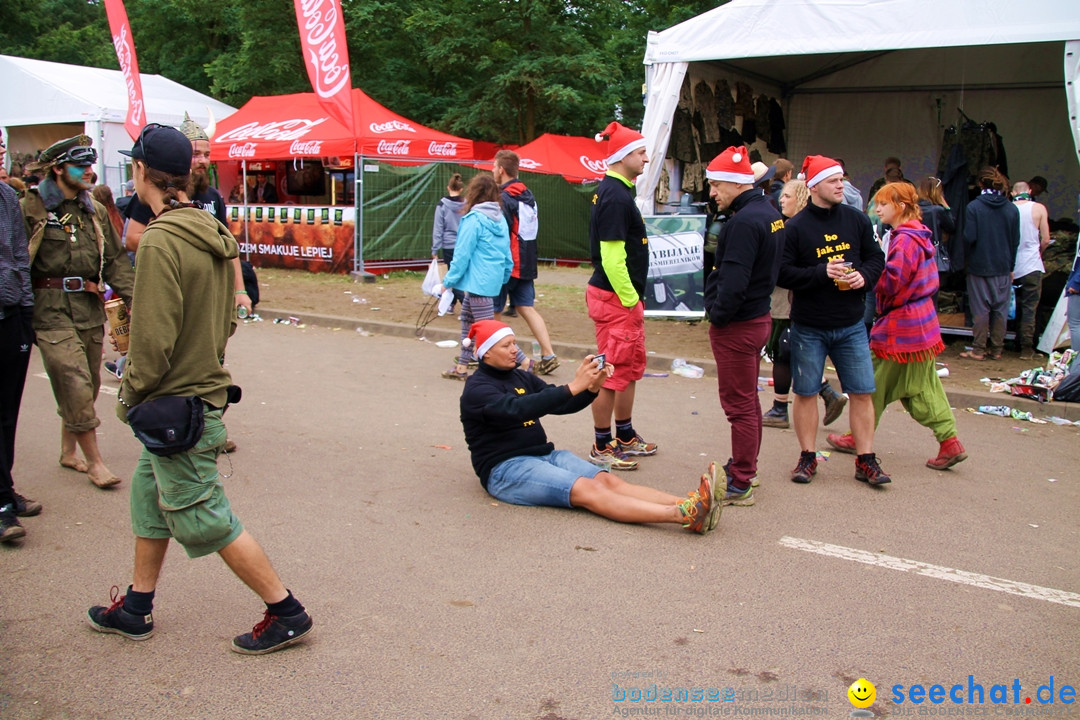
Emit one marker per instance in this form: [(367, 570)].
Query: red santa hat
[(622, 141), (733, 166), (816, 168), (485, 334)]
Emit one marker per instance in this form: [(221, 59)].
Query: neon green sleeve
[(613, 259)]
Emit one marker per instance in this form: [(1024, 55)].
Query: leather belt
[(67, 284)]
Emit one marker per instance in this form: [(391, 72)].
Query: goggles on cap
[(78, 155)]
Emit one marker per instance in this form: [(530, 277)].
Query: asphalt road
[(433, 601)]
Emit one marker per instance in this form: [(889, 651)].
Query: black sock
[(780, 405), (603, 436), (809, 455), (866, 457), (286, 608), (139, 603), (624, 429)]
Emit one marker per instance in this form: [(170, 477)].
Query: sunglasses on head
[(139, 142)]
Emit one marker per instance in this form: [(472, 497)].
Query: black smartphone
[(600, 359)]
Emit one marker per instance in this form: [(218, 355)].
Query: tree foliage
[(498, 70)]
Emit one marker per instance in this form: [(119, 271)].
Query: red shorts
[(620, 334)]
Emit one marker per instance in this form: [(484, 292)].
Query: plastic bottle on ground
[(1002, 410), (682, 368)]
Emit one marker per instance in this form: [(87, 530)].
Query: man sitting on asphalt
[(501, 408)]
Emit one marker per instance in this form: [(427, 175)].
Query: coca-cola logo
[(598, 167), (311, 147), (529, 164), (446, 149), (242, 150), (321, 21), (283, 130), (393, 147), (391, 126), (124, 55)]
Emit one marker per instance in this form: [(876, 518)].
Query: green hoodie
[(183, 310)]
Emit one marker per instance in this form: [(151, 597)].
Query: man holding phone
[(501, 408)]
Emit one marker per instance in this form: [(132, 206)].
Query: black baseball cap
[(162, 148)]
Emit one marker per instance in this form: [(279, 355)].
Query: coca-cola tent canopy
[(578, 159), (296, 126)]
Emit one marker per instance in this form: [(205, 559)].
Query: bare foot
[(73, 462), (102, 476)]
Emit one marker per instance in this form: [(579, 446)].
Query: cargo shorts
[(181, 496)]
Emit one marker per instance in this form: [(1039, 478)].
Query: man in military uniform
[(73, 250)]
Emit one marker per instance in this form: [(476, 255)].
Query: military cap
[(74, 150)]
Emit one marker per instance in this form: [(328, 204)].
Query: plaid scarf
[(907, 328)]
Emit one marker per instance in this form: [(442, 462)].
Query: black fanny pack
[(168, 425)]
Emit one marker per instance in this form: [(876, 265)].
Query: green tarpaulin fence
[(399, 208)]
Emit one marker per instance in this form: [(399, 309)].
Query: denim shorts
[(850, 352), (522, 293), (539, 479)]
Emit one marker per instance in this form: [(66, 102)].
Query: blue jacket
[(1074, 279), (482, 260)]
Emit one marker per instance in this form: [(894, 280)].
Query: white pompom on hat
[(485, 334), (621, 141), (816, 168), (733, 166)]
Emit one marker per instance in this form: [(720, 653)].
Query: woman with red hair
[(906, 337)]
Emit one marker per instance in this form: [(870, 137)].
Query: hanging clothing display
[(705, 113), (776, 142), (725, 106), (761, 116)]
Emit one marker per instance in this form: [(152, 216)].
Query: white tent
[(865, 79), (45, 102)]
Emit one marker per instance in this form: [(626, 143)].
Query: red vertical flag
[(326, 55), (129, 65)]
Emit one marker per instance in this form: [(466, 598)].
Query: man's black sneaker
[(25, 507), (10, 528), (115, 619), (870, 472), (273, 633)]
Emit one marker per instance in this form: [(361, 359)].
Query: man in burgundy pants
[(737, 297)]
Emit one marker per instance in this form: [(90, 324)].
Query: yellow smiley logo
[(862, 693)]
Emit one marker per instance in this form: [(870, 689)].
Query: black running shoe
[(115, 619), (806, 469), (870, 471), (273, 633), (10, 528)]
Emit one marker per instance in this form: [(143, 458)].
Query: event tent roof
[(40, 92), (295, 126), (578, 159), (863, 49), (43, 100)]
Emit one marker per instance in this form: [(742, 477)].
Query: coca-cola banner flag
[(129, 65), (326, 55)]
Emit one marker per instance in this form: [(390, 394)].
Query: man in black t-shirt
[(830, 261), (620, 257)]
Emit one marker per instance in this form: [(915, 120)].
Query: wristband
[(241, 292)]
